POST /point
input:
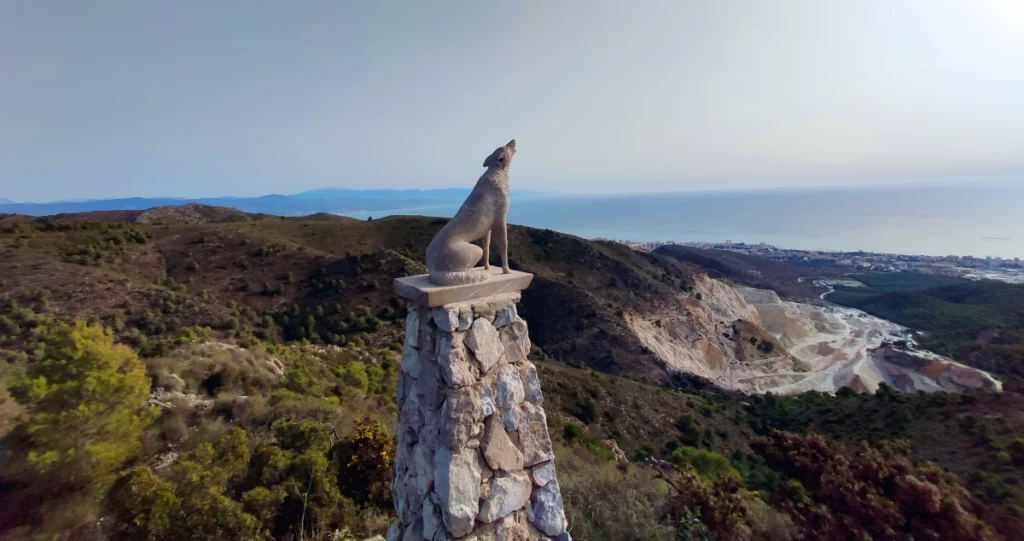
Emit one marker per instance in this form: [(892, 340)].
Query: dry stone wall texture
[(474, 459)]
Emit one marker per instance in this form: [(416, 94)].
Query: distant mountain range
[(335, 200)]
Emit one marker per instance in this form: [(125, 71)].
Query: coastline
[(926, 221)]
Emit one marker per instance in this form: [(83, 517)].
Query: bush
[(689, 430), (865, 494), (1016, 450), (87, 396), (702, 510), (573, 432), (191, 502), (708, 464), (354, 375), (364, 464), (585, 410)]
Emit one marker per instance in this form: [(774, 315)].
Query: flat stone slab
[(420, 290)]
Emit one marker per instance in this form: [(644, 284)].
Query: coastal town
[(968, 267)]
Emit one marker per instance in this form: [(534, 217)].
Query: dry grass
[(10, 411), (636, 414), (604, 503)]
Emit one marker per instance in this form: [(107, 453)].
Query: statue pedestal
[(473, 459), (419, 290)]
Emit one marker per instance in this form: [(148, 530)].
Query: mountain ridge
[(337, 200)]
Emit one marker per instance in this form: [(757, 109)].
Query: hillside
[(286, 328), (158, 274), (334, 270), (748, 270)]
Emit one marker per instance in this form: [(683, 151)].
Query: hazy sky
[(199, 98)]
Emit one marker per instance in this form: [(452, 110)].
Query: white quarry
[(822, 347), (474, 458)]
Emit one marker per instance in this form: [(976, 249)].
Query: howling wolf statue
[(451, 258)]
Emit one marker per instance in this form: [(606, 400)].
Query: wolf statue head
[(502, 156)]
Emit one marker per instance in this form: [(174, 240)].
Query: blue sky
[(198, 98)]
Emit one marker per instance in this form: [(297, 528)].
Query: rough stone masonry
[(474, 459)]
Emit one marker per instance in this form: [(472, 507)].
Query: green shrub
[(1016, 450), (364, 464), (87, 395), (585, 409), (708, 464), (355, 376), (573, 432), (191, 502), (689, 430)]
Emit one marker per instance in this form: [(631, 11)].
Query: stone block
[(461, 418), (508, 494), (407, 437), (427, 339), (510, 387), (411, 414), (512, 528), (499, 452), (548, 510), (423, 464), (516, 338), (429, 387), (413, 496), (446, 319), (543, 473), (534, 441), (403, 451), (413, 530), (411, 361), (483, 533), (483, 340), (430, 433), (412, 327), (452, 359), (432, 522), (465, 318), (505, 316), (403, 384), (531, 383), (487, 405), (510, 418), (457, 489)]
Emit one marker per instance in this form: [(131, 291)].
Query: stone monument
[(473, 458)]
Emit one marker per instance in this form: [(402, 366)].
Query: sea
[(981, 221)]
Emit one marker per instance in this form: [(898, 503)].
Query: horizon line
[(799, 187)]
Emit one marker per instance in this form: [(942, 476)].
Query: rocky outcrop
[(474, 458), (169, 399), (620, 456)]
